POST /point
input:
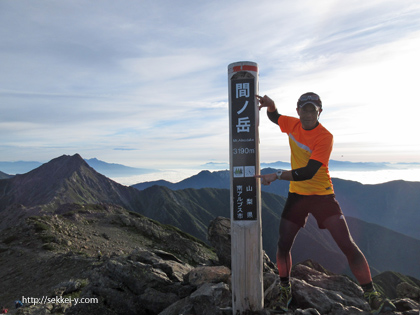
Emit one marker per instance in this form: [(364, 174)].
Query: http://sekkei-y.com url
[(58, 300)]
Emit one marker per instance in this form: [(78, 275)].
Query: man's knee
[(287, 235), (284, 244), (350, 248)]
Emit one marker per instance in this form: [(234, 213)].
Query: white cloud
[(151, 77)]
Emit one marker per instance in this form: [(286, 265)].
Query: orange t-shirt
[(315, 144)]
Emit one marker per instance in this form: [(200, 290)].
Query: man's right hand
[(265, 101), (267, 179)]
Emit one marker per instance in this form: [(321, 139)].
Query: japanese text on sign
[(242, 200), (243, 149)]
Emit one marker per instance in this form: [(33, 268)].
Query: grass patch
[(10, 239), (48, 246), (41, 227), (135, 214), (48, 238)]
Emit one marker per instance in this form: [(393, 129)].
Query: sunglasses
[(305, 98)]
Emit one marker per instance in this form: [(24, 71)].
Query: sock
[(368, 287), (284, 281)]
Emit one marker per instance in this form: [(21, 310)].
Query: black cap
[(309, 98)]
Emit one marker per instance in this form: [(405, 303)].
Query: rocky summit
[(103, 259), (74, 242)]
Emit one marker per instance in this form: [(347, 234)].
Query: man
[(311, 191)]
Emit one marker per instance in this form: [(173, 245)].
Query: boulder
[(208, 299), (219, 237), (327, 293), (141, 283), (174, 268), (406, 290), (209, 274), (67, 287), (406, 305)]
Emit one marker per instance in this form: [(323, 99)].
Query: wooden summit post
[(245, 190)]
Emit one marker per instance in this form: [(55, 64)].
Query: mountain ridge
[(68, 179), (379, 203)]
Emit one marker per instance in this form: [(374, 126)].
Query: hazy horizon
[(400, 171)]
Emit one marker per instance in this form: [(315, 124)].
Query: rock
[(209, 274), (126, 285), (174, 270), (43, 309), (329, 282), (406, 290), (155, 301), (406, 304), (219, 237), (210, 295), (105, 236), (327, 293), (168, 263), (209, 299), (309, 311), (67, 287)]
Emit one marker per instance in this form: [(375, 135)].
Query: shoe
[(284, 299), (378, 303)]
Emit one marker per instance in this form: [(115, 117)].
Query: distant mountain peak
[(64, 179), (66, 158), (61, 167)]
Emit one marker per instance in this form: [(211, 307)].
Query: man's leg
[(287, 234), (338, 228)]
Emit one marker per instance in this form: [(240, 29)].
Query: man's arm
[(300, 174), (272, 112), (273, 116), (307, 172)]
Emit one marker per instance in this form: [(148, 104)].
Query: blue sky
[(144, 83)]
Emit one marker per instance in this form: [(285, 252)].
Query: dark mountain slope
[(4, 175), (192, 210), (218, 179), (66, 179), (384, 247), (189, 210), (204, 179), (395, 205)]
